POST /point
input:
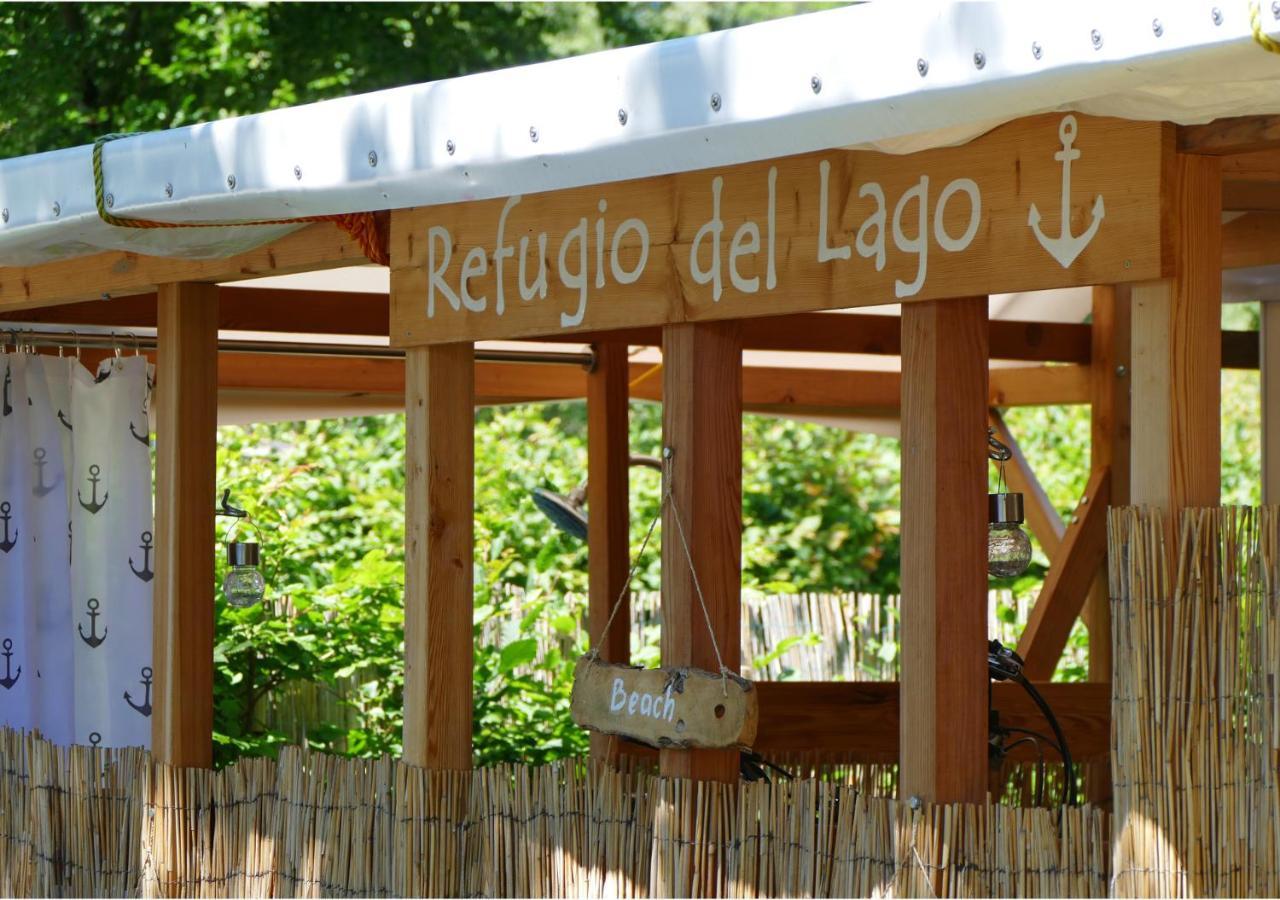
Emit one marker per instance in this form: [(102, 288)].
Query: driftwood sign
[(672, 708)]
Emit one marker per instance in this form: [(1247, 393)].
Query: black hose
[(1068, 770)]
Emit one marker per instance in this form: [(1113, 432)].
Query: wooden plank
[(678, 708), (439, 505), (1257, 166), (1270, 340), (1234, 134), (1084, 546), (944, 541), (1177, 347), (319, 246), (1042, 518), (186, 403), (758, 239), (1250, 196), (1251, 240), (872, 334), (608, 518), (702, 427), (859, 721)]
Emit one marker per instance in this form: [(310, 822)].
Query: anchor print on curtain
[(76, 550)]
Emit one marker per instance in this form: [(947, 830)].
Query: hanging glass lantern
[(243, 584), (1008, 545)]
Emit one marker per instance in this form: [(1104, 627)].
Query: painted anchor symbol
[(41, 488), (145, 706), (94, 738), (9, 542), (93, 505), (62, 417), (145, 573), (143, 439), (10, 678), (94, 639), (1066, 247)]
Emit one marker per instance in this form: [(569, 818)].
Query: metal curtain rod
[(127, 342)]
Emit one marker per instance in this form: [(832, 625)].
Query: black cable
[(1068, 769)]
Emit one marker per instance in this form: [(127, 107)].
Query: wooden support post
[(944, 551), (1177, 353), (702, 424), (1083, 549), (1108, 446), (439, 506), (1270, 353), (186, 402), (608, 522)]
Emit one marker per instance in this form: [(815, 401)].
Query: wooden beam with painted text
[(1045, 202)]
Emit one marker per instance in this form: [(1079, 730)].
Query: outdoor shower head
[(565, 512)]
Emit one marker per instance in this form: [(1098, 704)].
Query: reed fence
[(85, 821), (1195, 756), (1195, 730)]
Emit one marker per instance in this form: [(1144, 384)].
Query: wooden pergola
[(749, 257)]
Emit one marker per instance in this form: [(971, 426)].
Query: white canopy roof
[(892, 76)]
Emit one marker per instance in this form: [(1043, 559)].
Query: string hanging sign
[(670, 707)]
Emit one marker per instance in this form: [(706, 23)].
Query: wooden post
[(1108, 445), (439, 506), (1177, 353), (608, 521), (1270, 357), (944, 551), (186, 401), (702, 424)]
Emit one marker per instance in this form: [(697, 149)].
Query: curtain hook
[(75, 334), (137, 344)]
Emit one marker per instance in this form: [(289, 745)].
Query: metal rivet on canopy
[(110, 200), (622, 117), (373, 158), (1157, 28), (815, 83), (450, 146), (979, 59), (1217, 16), (168, 189), (922, 66), (1096, 37), (533, 134), (297, 172), (231, 182), (1036, 50), (57, 208), (715, 102), (4, 214)]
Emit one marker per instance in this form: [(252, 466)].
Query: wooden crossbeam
[(1234, 134), (314, 247), (1042, 518), (857, 722), (1062, 597), (365, 314)]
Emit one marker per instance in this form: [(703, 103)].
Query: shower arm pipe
[(124, 341)]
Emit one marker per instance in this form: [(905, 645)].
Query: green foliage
[(74, 71), (329, 498)]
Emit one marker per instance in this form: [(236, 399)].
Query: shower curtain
[(77, 554)]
